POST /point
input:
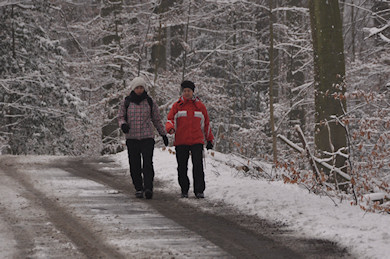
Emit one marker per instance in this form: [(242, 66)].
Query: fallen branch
[(308, 153), (313, 160)]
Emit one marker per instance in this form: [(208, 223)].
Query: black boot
[(148, 194), (199, 195), (139, 194)]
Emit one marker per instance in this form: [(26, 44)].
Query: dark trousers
[(142, 176), (182, 155)]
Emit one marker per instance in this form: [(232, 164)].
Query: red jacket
[(190, 121)]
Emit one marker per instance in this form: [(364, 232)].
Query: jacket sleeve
[(207, 128), (171, 118), (121, 113), (156, 119)]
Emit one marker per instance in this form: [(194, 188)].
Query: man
[(189, 120)]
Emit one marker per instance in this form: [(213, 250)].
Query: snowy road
[(69, 208)]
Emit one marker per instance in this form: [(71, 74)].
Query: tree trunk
[(110, 132), (271, 82), (353, 30), (13, 33), (329, 73), (186, 40)]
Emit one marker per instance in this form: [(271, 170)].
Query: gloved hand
[(209, 145), (125, 128), (165, 139)]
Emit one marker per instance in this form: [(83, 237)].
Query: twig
[(308, 153)]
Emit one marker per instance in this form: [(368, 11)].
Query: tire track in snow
[(86, 241)]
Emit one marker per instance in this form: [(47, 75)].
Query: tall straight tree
[(329, 75), (271, 81)]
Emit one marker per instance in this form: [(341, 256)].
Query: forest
[(302, 84)]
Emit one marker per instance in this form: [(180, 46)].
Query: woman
[(189, 120), (136, 117)]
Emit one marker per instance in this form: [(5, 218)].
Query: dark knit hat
[(188, 84)]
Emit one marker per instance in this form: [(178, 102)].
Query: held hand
[(165, 139), (209, 145), (171, 131), (125, 128)]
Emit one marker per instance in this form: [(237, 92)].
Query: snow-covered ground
[(366, 235)]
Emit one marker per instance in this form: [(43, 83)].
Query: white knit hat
[(137, 81)]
